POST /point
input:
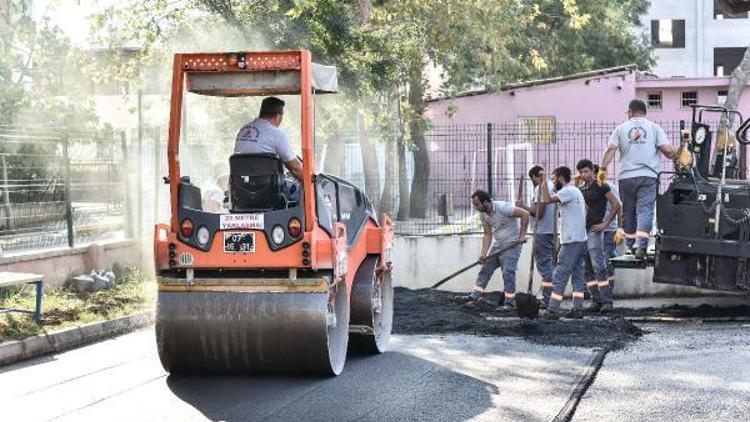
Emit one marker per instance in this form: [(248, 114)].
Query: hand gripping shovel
[(527, 305), (477, 262)]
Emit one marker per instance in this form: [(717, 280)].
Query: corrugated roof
[(582, 75)]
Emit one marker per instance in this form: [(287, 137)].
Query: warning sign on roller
[(241, 221)]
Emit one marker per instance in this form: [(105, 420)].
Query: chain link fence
[(61, 188)]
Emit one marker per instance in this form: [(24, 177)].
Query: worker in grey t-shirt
[(500, 221), (263, 136), (571, 262), (640, 142), (544, 232)]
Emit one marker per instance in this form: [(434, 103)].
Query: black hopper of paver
[(428, 311)]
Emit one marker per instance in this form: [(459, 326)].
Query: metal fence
[(60, 188), (496, 156)]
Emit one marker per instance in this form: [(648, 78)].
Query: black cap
[(637, 105)]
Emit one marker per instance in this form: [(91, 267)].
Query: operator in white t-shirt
[(263, 136)]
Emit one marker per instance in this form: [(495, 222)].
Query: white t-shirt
[(547, 223), (505, 227), (261, 137), (572, 215), (638, 140)]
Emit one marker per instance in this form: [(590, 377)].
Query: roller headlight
[(277, 235), (203, 235)]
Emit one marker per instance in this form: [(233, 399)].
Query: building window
[(688, 98), (653, 100), (727, 59), (537, 130), (719, 13), (721, 97), (668, 33)]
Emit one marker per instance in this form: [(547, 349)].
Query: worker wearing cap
[(500, 221), (639, 142), (263, 136), (573, 246), (544, 232)]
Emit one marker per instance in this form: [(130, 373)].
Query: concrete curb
[(16, 351)]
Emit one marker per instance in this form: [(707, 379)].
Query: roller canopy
[(267, 82)]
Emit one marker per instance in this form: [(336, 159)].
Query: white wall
[(703, 33), (421, 261)]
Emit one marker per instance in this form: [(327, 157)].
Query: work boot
[(606, 307), (509, 306), (640, 253), (550, 314), (474, 296), (594, 307), (574, 314)]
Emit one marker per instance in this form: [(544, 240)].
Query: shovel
[(527, 305), (477, 262)]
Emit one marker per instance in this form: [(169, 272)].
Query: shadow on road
[(392, 386)]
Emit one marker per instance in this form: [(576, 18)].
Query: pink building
[(597, 96), (552, 122)]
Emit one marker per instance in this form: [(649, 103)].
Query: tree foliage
[(382, 49)]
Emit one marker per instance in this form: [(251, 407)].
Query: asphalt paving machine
[(277, 284), (703, 217)]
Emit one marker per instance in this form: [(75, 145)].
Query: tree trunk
[(369, 162), (419, 183), (737, 82), (334, 160), (403, 177), (403, 182), (388, 199)]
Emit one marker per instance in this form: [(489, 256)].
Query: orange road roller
[(272, 283)]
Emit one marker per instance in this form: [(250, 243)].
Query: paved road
[(427, 378), (678, 372)]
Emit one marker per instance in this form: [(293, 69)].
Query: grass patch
[(63, 308)]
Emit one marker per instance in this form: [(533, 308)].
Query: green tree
[(382, 49)]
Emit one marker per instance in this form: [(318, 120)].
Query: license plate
[(239, 242), (241, 221)]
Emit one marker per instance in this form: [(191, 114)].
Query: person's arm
[(486, 241), (609, 154), (614, 210), (663, 144), (295, 167), (668, 151), (524, 216), (546, 198)]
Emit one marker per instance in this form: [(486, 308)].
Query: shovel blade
[(527, 305)]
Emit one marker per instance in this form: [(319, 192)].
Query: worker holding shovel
[(573, 249), (544, 231), (500, 221)]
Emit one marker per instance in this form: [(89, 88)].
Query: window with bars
[(653, 100), (537, 129), (688, 98), (721, 97)]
